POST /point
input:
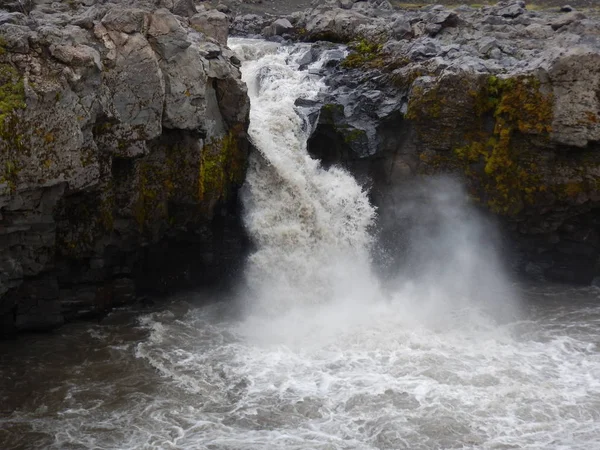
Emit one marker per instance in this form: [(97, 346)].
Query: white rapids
[(310, 226), (318, 353)]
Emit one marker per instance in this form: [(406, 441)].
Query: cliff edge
[(122, 145)]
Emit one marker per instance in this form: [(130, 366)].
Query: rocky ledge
[(122, 145), (505, 98)]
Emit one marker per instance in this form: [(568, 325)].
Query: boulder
[(567, 19), (336, 25), (185, 8), (278, 28), (213, 24)]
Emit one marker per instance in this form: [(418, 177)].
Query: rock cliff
[(504, 98), (122, 145)]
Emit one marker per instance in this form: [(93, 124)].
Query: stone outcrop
[(122, 144), (504, 98)]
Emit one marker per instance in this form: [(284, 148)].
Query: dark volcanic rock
[(122, 136), (502, 98)]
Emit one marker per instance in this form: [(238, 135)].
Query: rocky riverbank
[(122, 144), (505, 98), (123, 135)]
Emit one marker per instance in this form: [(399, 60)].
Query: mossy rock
[(180, 173), (12, 131), (364, 54), (496, 132)]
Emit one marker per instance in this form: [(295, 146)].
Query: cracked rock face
[(122, 144)]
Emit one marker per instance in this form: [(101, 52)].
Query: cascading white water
[(311, 226)]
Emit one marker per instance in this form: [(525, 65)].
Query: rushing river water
[(315, 351)]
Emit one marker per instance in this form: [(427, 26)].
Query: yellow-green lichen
[(510, 178), (364, 54), (221, 165)]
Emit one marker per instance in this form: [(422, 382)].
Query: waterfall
[(327, 357), (311, 226)]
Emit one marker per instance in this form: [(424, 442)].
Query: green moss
[(182, 177), (331, 113), (521, 103), (301, 32), (353, 135), (490, 129), (510, 177), (364, 54), (425, 103), (12, 92), (221, 165), (405, 80), (12, 99)]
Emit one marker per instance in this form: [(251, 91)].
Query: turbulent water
[(316, 351), (311, 226)]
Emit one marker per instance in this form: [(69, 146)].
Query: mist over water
[(324, 348), (312, 272), (449, 252)]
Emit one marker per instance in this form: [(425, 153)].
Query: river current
[(314, 350)]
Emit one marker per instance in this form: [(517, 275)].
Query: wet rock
[(278, 28)]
